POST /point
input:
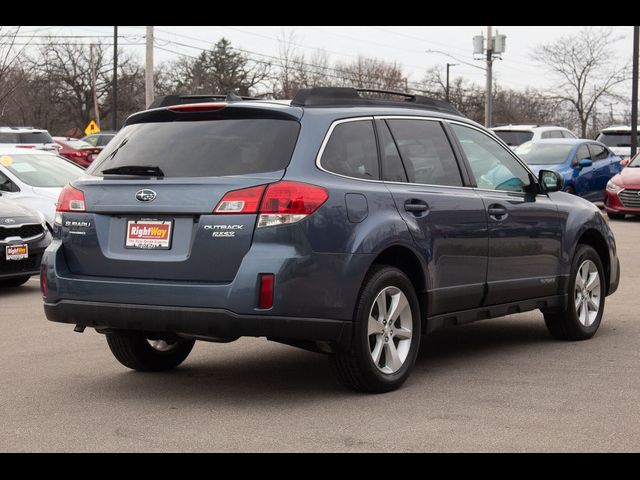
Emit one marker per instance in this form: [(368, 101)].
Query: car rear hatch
[(150, 203)]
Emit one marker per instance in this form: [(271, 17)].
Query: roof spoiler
[(168, 100)]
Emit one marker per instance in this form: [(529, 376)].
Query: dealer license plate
[(16, 252), (149, 234)]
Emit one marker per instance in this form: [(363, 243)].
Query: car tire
[(133, 350), (14, 282), (381, 361), (616, 216), (576, 323)]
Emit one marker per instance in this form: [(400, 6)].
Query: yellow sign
[(92, 128), (6, 160)]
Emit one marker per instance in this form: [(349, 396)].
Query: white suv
[(618, 139), (26, 137), (514, 135)]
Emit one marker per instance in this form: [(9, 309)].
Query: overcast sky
[(405, 45)]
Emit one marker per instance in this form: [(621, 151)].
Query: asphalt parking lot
[(497, 385)]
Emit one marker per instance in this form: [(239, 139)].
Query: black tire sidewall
[(584, 252), (385, 277)]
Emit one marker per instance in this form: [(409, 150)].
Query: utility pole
[(96, 111), (114, 122), (634, 95), (495, 46), (447, 89), (148, 74), (488, 110)]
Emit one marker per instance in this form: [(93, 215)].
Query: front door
[(447, 220), (525, 229)]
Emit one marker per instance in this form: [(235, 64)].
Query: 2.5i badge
[(223, 230)]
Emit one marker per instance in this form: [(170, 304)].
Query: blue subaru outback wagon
[(343, 222)]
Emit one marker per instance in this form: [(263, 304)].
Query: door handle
[(497, 212), (415, 206)]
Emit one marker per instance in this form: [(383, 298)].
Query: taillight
[(71, 200), (266, 290), (246, 200), (25, 146), (197, 107), (289, 202)]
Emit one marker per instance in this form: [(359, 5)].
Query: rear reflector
[(70, 200), (266, 290), (197, 107), (246, 200), (43, 279)]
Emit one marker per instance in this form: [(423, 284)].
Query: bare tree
[(372, 73), (10, 64), (587, 69)]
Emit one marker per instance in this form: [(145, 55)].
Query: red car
[(78, 151), (622, 194)]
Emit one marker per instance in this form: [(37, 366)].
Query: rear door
[(446, 219), (164, 227), (525, 229), (583, 178), (604, 168)]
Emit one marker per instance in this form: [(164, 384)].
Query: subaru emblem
[(9, 220), (145, 195)]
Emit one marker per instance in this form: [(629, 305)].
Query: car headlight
[(612, 187)]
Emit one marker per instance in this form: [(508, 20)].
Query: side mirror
[(624, 163), (550, 180), (585, 162)]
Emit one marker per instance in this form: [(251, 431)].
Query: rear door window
[(426, 153), (598, 152), (351, 151), (208, 148), (392, 168)]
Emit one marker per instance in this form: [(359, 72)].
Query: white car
[(26, 137), (34, 178), (515, 135), (618, 139)]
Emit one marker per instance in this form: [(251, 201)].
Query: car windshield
[(41, 170), (514, 137), (543, 153), (615, 139)]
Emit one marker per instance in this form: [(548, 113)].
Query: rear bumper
[(196, 321)]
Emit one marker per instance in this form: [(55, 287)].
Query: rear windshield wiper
[(138, 170)]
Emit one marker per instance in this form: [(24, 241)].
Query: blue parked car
[(585, 165)]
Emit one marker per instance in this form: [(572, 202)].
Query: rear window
[(514, 137), (25, 137), (212, 148), (614, 139)]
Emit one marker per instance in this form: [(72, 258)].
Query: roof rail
[(168, 100), (349, 97)]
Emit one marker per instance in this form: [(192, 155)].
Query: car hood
[(11, 212), (628, 178)]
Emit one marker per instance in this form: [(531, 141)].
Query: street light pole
[(488, 111), (148, 83), (447, 89), (114, 121), (634, 95)]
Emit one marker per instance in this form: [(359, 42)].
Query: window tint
[(392, 169), (5, 183), (207, 148), (352, 151), (91, 140), (8, 137), (567, 134), (103, 140), (598, 152), (426, 152), (582, 153), (545, 135), (615, 139), (36, 137), (493, 167)]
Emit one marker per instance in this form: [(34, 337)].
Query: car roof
[(24, 151), (563, 141), (22, 129), (618, 128), (517, 128)]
